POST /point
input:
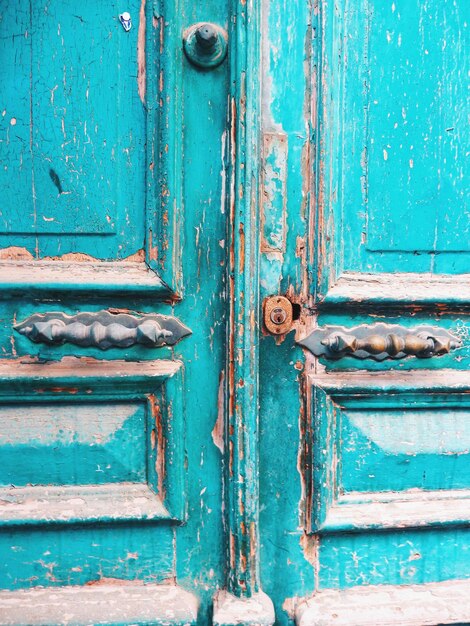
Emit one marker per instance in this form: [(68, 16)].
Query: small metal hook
[(125, 19)]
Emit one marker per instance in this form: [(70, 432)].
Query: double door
[(234, 260)]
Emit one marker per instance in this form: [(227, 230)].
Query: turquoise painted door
[(112, 272), (365, 422), (174, 451)]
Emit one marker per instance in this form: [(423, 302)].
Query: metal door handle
[(380, 341), (103, 329)]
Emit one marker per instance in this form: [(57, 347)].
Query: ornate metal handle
[(103, 329), (380, 342)]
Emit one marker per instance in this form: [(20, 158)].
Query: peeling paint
[(141, 57)]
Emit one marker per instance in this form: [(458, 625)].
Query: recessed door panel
[(417, 194), (76, 137), (392, 181)]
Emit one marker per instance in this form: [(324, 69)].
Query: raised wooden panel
[(386, 459), (107, 453), (398, 449), (85, 553), (394, 557), (78, 444), (402, 605), (391, 193), (109, 602)]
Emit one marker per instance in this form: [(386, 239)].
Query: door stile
[(242, 377), (242, 414)]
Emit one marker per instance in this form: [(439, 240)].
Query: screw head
[(206, 37)]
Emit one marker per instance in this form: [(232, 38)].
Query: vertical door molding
[(243, 599)]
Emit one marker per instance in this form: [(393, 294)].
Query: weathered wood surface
[(110, 601), (34, 278), (414, 605), (363, 169), (399, 510), (85, 504), (74, 174), (154, 207), (406, 288), (390, 189)]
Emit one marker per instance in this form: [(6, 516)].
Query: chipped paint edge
[(101, 602), (255, 611), (386, 605)]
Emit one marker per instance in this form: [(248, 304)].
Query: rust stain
[(230, 460), (73, 257), (310, 545), (305, 453), (70, 390), (137, 257), (232, 548), (219, 427), (160, 440), (141, 64), (301, 253), (241, 232), (121, 582)]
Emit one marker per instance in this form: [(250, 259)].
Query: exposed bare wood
[(257, 610), (399, 510), (384, 605), (79, 503), (82, 368), (405, 288), (80, 276), (434, 380), (110, 602)]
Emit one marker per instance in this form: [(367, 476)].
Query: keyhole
[(278, 316)]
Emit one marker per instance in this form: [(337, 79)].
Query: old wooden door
[(364, 471), (169, 456), (112, 321)]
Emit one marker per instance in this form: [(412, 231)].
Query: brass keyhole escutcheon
[(278, 315)]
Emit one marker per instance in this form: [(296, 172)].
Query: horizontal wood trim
[(81, 277), (401, 288), (72, 377), (390, 510), (104, 602), (428, 604), (20, 506), (365, 383)]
